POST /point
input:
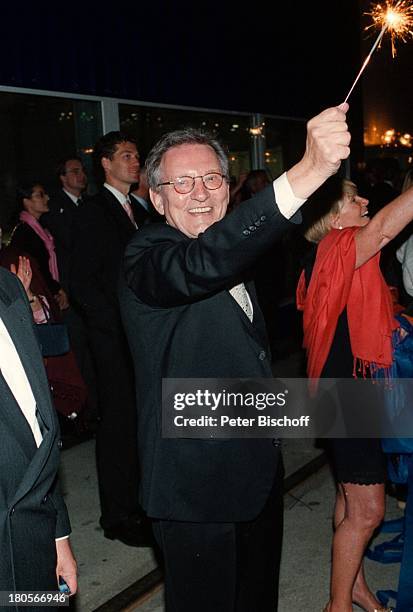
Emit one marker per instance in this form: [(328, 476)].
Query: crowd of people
[(153, 277)]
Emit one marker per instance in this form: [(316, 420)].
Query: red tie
[(128, 208)]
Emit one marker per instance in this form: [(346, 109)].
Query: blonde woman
[(348, 324)]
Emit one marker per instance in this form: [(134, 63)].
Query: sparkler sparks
[(397, 19), (393, 17)]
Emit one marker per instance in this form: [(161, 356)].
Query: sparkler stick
[(397, 19)]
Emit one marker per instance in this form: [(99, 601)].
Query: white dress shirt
[(287, 202), (13, 372), (75, 199)]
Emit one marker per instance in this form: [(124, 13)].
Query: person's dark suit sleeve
[(163, 268), (63, 527)]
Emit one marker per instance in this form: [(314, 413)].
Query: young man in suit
[(34, 525), (107, 224), (190, 312)]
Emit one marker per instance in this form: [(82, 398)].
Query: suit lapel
[(140, 214), (258, 321), (17, 319), (19, 324), (16, 421), (256, 327), (114, 209)]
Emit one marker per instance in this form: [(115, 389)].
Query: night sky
[(292, 58), (388, 84)]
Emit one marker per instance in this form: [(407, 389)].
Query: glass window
[(285, 143), (37, 131), (148, 124)]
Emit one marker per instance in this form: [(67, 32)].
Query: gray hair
[(175, 139)]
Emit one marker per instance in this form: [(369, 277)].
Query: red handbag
[(68, 389)]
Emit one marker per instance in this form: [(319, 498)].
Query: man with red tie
[(107, 224)]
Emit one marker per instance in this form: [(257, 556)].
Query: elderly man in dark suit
[(189, 312), (34, 525), (107, 224)]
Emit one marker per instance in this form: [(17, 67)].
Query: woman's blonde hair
[(326, 202)]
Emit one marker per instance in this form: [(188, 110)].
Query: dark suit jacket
[(62, 221), (105, 230), (182, 322), (142, 215), (32, 510)]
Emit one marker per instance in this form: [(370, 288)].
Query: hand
[(24, 273), (66, 566), (328, 141), (62, 299)]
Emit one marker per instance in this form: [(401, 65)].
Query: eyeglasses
[(76, 171), (39, 195), (185, 184)]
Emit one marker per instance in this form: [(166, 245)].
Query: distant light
[(235, 125), (389, 136), (406, 140)]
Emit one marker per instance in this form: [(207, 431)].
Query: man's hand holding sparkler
[(328, 141)]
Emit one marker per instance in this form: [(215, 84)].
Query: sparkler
[(397, 19)]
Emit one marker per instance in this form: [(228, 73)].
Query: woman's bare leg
[(359, 510)]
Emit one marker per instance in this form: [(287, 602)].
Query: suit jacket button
[(44, 500), (246, 232), (276, 442), (252, 228), (59, 444), (262, 355), (12, 511), (263, 218)]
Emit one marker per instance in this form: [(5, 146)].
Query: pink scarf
[(47, 239)]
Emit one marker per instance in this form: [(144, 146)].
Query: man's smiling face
[(192, 213)]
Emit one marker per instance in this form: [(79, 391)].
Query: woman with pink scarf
[(31, 238)]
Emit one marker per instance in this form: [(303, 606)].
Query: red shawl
[(336, 284)]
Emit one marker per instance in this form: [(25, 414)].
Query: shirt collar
[(71, 196), (118, 194)]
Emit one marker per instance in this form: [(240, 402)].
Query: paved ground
[(107, 567), (306, 551)]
